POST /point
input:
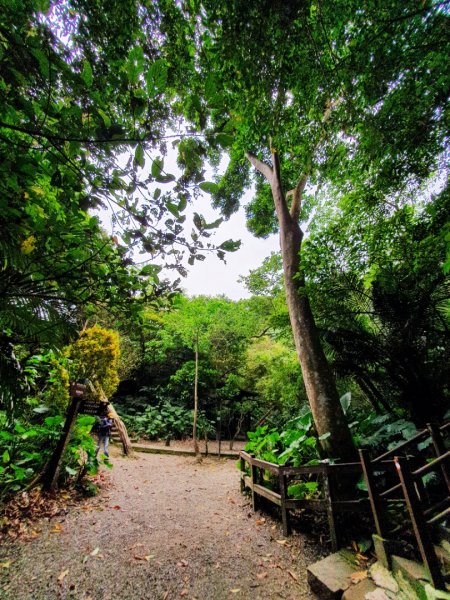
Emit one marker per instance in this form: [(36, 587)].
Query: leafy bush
[(95, 356), (296, 445), (25, 450), (380, 433), (156, 422), (166, 420), (48, 379)]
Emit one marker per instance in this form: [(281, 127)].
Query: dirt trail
[(165, 527)]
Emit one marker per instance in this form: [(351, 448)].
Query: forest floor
[(162, 527)]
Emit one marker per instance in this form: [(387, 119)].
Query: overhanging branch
[(260, 166)]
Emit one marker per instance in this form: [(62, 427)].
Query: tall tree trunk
[(194, 427), (319, 382)]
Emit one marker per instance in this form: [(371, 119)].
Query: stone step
[(443, 554), (330, 577), (414, 581), (360, 590)]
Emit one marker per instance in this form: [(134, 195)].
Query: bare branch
[(260, 166)]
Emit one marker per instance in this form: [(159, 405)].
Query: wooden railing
[(328, 474), (402, 473)]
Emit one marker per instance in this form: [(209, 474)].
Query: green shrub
[(25, 450)]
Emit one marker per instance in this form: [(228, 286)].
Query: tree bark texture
[(123, 433), (319, 382)]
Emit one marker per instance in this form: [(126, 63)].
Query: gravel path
[(164, 527)]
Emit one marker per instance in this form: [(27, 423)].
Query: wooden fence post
[(50, 477), (329, 498), (439, 447), (419, 523), (284, 513), (242, 469), (375, 502), (255, 499)]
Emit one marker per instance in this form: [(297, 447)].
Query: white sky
[(212, 276)]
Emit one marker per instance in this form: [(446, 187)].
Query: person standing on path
[(104, 433)]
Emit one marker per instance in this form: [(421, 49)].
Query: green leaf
[(42, 6), (230, 245), (104, 116), (139, 158), (173, 208), (213, 225), (210, 86), (86, 73), (209, 187), (157, 167), (71, 471), (198, 221), (41, 409), (166, 178), (224, 139), (345, 401), (6, 458), (135, 64), (156, 77)]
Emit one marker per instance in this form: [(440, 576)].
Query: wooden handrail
[(392, 452), (415, 438), (431, 465)]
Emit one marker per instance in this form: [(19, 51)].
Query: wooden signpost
[(94, 408)]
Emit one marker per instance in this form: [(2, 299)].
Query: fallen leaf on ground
[(282, 542), (166, 595), (293, 575), (358, 576), (95, 552), (5, 565), (262, 575), (62, 575), (235, 590), (57, 528), (183, 593), (260, 521), (116, 507), (149, 557)]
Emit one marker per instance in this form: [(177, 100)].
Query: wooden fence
[(395, 479), (252, 477)]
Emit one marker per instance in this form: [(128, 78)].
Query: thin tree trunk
[(319, 382), (194, 427)]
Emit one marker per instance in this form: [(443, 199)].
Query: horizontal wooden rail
[(431, 465), (424, 433), (328, 504)]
